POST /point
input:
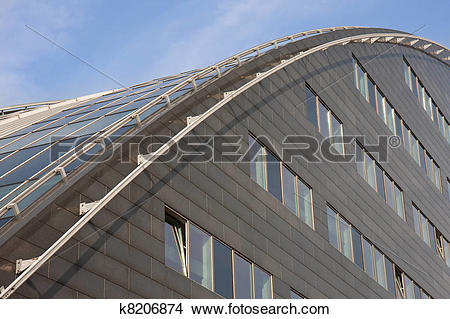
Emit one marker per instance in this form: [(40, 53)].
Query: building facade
[(266, 224)]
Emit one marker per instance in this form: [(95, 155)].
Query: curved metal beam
[(144, 164)]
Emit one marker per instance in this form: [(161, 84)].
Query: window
[(223, 273), (389, 191), (448, 188), (357, 248), (422, 159), (421, 96), (336, 131), (323, 120), (432, 236), (399, 201), (273, 176), (398, 125), (379, 265), (289, 190), (437, 176), (399, 287), (409, 288), (446, 251), (417, 293), (346, 240), (390, 276), (359, 160), (390, 120), (371, 91), (406, 137), (257, 162), (175, 244), (200, 256), (263, 286), (333, 234), (380, 103), (370, 171), (425, 233), (368, 258), (415, 148), (362, 86), (416, 215), (311, 107), (305, 203), (380, 181), (406, 72), (296, 295), (414, 84), (243, 284)]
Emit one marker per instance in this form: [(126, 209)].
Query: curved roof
[(34, 155)]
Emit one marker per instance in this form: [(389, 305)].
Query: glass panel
[(399, 202), (422, 158), (390, 117), (371, 89), (415, 149), (430, 106), (425, 233), (389, 191), (414, 84), (390, 276), (409, 288), (370, 171), (368, 259), (332, 228), (406, 137), (379, 264), (295, 295), (273, 176), (432, 236), (336, 130), (174, 245), (406, 74), (200, 256), (305, 203), (289, 190), (324, 122), (361, 81), (447, 252), (437, 176), (357, 248), (416, 221), (429, 166), (242, 278), (257, 162), (359, 160), (263, 287), (399, 288), (355, 72), (416, 291), (311, 108), (380, 181), (422, 97), (223, 274), (380, 104), (398, 126), (346, 240)]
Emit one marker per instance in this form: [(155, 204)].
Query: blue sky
[(136, 41)]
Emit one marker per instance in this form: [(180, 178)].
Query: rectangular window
[(446, 251), (432, 236), (399, 287), (380, 181), (324, 126), (389, 191), (415, 148), (406, 73), (200, 257), (371, 90), (370, 171), (359, 160), (430, 107), (257, 162), (368, 258), (336, 131), (390, 117), (273, 176), (346, 239), (289, 189), (379, 265), (362, 86), (305, 203), (406, 137), (422, 159), (223, 273), (175, 244), (263, 285), (416, 220), (409, 288), (380, 105), (398, 126), (414, 84), (429, 166), (311, 107), (425, 233), (422, 97), (390, 276), (243, 284), (357, 248), (333, 234), (399, 201), (437, 176)]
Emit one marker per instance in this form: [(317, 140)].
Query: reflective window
[(399, 201), (368, 258), (324, 120), (437, 175), (311, 107), (429, 166), (273, 176), (390, 117), (417, 293), (333, 236), (406, 74), (415, 149), (370, 171), (399, 287), (398, 126), (389, 191), (422, 159), (380, 181), (409, 289), (361, 81), (380, 104), (357, 248), (421, 96), (289, 190), (305, 203), (446, 251), (175, 244), (257, 162), (346, 240), (448, 188), (200, 256), (371, 90), (263, 286), (406, 138), (359, 159), (414, 84), (432, 236), (379, 265), (336, 130), (425, 233), (223, 274), (242, 278), (416, 220), (390, 276)]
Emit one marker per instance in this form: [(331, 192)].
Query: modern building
[(143, 191)]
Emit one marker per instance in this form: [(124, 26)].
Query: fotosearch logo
[(225, 148)]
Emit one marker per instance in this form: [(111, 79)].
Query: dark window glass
[(370, 171), (311, 107), (417, 291), (389, 191), (368, 258), (359, 159), (332, 228), (399, 287), (263, 286), (390, 276), (432, 236), (289, 190), (357, 248), (380, 105), (257, 162), (422, 158), (409, 287), (242, 278), (346, 239), (324, 121), (398, 126), (174, 244), (425, 232), (414, 84), (380, 181), (371, 89), (406, 74), (273, 176), (200, 256), (223, 274), (399, 201)]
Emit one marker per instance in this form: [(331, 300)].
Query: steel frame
[(397, 38)]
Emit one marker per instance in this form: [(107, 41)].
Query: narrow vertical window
[(379, 265), (439, 240), (336, 131), (398, 126), (380, 181), (422, 159), (223, 273), (432, 236), (425, 233), (415, 148), (390, 276), (417, 293), (359, 160), (446, 252), (406, 73), (200, 256), (175, 244), (273, 176), (422, 97), (409, 289), (289, 189), (406, 137), (362, 81), (263, 286), (416, 220), (311, 107), (437, 176), (346, 239), (324, 120), (380, 105), (399, 287), (389, 191), (430, 107), (399, 202), (333, 234), (371, 90), (305, 203), (448, 188), (257, 162), (368, 258), (429, 166), (370, 171), (242, 278), (357, 248), (390, 117), (414, 84)]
